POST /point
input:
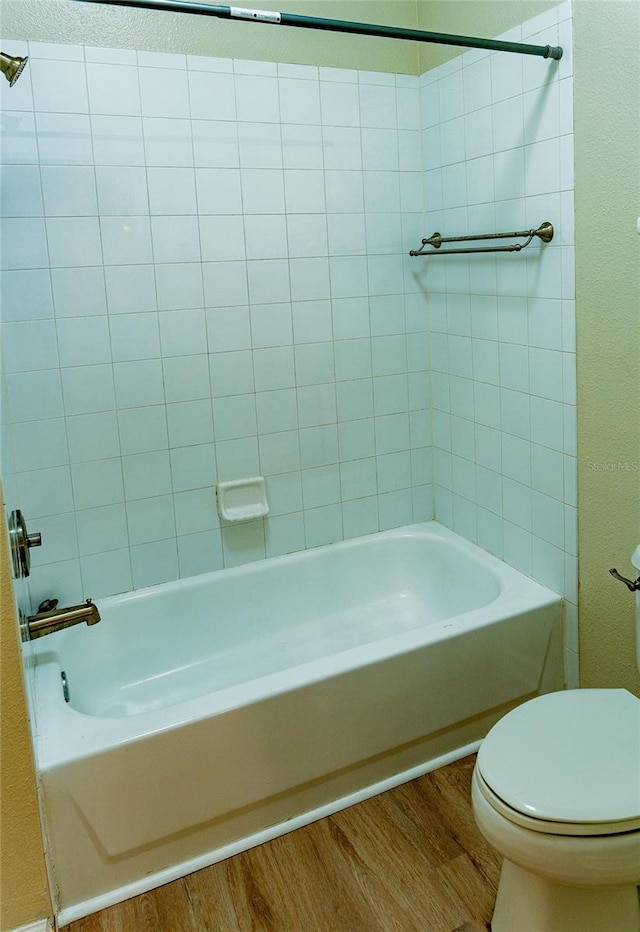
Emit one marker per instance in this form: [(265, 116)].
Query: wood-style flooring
[(409, 860)]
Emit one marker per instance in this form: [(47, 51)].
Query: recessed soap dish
[(242, 499)]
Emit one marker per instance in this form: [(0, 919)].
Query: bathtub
[(208, 715)]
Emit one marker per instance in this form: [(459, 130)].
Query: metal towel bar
[(544, 232)]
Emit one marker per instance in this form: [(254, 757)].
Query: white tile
[(212, 96), (304, 191), (196, 511), (97, 483), (546, 375), (161, 60), (186, 378), (276, 411), (101, 529), (190, 423), (320, 486), (182, 333), (59, 86), (309, 279), (19, 140), (104, 574), (316, 405), (243, 544), (271, 325), (312, 321), (273, 368), (284, 534), (215, 145), (20, 191), (24, 244), (339, 104), (200, 553), (83, 341), (262, 191), (153, 563), (314, 363), (235, 417), (113, 89), (231, 373), (268, 281), (306, 235), (222, 238), (125, 240), (29, 345), (134, 336), (257, 99), (117, 140), (218, 191), (378, 106), (175, 239), (516, 458), (26, 294), (110, 56), (151, 519), (179, 285), (299, 101), (74, 241), (193, 467), (344, 192), (143, 430), (342, 148), (88, 388), (228, 328), (138, 383), (92, 437), (168, 142), (46, 491), (171, 191), (34, 395), (225, 283), (64, 138), (130, 288), (164, 92), (260, 145), (266, 236), (301, 146), (279, 453)]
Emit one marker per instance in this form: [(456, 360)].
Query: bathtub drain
[(65, 686)]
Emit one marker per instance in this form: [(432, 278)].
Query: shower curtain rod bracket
[(336, 25)]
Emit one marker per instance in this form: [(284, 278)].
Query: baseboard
[(40, 925)]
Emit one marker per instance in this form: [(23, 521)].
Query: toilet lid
[(569, 757)]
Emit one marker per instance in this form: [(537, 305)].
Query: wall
[(607, 50), (205, 277), (23, 887), (498, 154), (110, 26)]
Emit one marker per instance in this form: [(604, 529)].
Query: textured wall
[(25, 895), (91, 24), (607, 108)]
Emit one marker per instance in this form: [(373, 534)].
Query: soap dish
[(242, 499)]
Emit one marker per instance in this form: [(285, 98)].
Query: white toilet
[(556, 791)]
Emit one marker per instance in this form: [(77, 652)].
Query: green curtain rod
[(336, 25)]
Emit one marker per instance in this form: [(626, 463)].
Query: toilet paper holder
[(633, 585)]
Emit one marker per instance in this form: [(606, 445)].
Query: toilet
[(556, 791)]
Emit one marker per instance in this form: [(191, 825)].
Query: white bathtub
[(211, 714)]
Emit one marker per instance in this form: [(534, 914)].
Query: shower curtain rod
[(336, 25)]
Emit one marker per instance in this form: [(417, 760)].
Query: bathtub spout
[(47, 622)]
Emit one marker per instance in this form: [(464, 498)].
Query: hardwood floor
[(409, 860)]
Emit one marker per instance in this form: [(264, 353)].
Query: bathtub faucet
[(48, 618)]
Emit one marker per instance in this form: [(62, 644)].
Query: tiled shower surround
[(207, 277)]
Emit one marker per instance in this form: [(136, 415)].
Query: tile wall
[(205, 276), (498, 155)]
